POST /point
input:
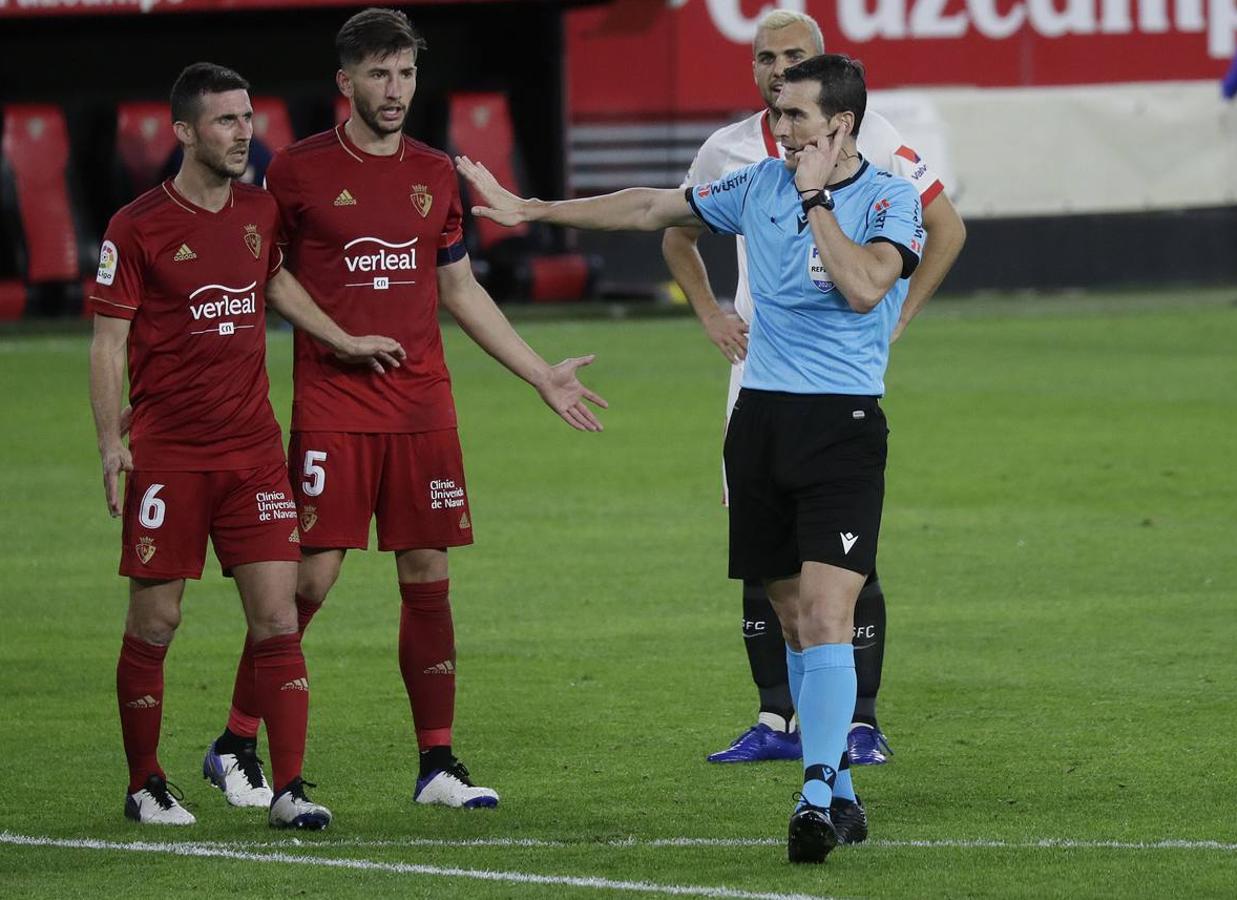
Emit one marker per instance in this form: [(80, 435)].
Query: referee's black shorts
[(806, 474)]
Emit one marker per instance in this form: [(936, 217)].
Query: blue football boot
[(866, 745), (760, 743)]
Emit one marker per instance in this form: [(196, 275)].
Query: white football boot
[(453, 787), (155, 804), (239, 776), (292, 809)]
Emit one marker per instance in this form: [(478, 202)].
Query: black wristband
[(823, 198)]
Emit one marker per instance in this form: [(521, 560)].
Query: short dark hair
[(841, 80), (376, 31), (198, 79)]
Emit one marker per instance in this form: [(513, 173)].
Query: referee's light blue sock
[(826, 703), (794, 668), (843, 787)]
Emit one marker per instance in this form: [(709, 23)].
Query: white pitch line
[(633, 842), (1066, 844), (207, 851)]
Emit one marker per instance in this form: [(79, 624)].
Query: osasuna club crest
[(253, 241), (309, 517), (145, 549), (422, 199)]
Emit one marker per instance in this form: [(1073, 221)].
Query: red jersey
[(366, 235), (192, 282)]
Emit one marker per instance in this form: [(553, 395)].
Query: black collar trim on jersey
[(863, 167)]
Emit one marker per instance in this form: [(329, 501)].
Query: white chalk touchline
[(208, 851), (977, 844)]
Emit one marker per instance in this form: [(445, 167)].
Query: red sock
[(427, 660), (305, 609), (281, 686), (139, 690), (243, 720)]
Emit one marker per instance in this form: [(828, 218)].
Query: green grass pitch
[(1059, 684)]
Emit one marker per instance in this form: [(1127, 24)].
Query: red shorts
[(413, 483), (248, 514)]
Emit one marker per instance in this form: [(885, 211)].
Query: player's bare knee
[(420, 566), (314, 589), (269, 623), (317, 574), (154, 626)]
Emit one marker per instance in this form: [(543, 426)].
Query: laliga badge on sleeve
[(816, 270), (109, 257)]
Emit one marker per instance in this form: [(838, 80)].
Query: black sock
[(869, 644), (436, 758), (234, 743), (766, 651)]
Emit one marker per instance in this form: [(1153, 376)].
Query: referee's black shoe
[(811, 835), (850, 820)]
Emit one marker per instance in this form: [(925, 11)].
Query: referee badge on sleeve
[(816, 270)]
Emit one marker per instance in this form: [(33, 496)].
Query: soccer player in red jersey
[(373, 221), (184, 275)]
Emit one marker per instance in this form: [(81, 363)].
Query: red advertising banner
[(668, 58)]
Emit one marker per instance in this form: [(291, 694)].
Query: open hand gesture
[(503, 207), (563, 393)]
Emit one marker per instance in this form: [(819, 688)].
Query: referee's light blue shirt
[(805, 338)]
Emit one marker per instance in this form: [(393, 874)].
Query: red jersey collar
[(767, 133), (189, 206), (360, 155)]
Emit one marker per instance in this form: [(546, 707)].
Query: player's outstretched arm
[(107, 384), (287, 297), (484, 322), (946, 233), (727, 332), (635, 209)]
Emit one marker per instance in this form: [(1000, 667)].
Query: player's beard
[(770, 94), (223, 164), (369, 115)]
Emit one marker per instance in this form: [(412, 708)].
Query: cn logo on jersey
[(219, 301), (365, 255)]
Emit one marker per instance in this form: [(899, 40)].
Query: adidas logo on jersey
[(446, 667), (345, 199), (147, 702), (183, 254), (296, 684)]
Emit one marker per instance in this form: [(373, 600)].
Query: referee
[(831, 240)]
